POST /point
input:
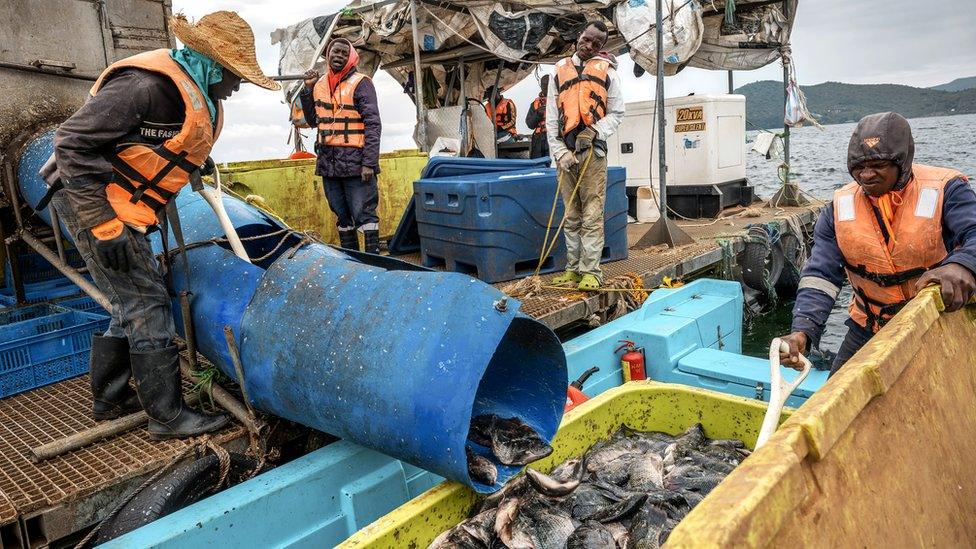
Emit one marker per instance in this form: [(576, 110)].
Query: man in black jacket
[(343, 106)]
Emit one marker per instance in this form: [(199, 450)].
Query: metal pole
[(463, 101), (786, 83), (58, 239), (418, 81), (10, 243), (661, 119), (494, 107), (731, 83), (66, 270)]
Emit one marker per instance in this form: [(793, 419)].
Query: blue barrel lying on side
[(395, 360)]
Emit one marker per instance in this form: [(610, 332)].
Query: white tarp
[(682, 33), (503, 46)]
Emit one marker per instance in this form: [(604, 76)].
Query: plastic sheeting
[(503, 46), (682, 36)]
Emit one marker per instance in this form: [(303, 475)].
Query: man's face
[(338, 56), (876, 177), (228, 84), (590, 43)]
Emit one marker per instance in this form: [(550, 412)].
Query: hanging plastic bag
[(797, 113)]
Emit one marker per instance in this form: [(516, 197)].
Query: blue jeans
[(141, 306), (354, 202)]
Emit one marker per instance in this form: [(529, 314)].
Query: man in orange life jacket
[(583, 110), (536, 121), (896, 229), (150, 122), (505, 115), (343, 106)]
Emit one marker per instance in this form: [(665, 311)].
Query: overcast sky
[(899, 41)]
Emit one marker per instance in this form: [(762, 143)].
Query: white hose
[(215, 198), (779, 389)]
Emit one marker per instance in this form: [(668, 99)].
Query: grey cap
[(883, 136)]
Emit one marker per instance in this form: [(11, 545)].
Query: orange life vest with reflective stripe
[(540, 104), (883, 274), (340, 124), (148, 176), (504, 115), (582, 97)]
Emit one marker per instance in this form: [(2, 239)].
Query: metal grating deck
[(56, 411)]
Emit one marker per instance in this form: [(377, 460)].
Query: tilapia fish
[(480, 468), (511, 440), (628, 491)]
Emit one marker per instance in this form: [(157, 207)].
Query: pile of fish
[(509, 440), (628, 491)]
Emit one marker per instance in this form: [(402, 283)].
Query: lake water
[(819, 165)]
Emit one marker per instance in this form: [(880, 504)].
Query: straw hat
[(227, 39)]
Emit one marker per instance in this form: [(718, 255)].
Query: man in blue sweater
[(897, 228)]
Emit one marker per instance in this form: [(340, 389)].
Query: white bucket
[(648, 210)]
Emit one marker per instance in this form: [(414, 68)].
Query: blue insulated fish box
[(492, 225)]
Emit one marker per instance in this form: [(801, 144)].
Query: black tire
[(761, 262), (183, 486), (794, 259)]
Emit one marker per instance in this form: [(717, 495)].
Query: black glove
[(116, 253), (585, 139), (208, 166)]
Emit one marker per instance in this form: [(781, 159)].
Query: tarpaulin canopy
[(504, 42)]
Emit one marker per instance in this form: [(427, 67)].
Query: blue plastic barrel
[(395, 360)]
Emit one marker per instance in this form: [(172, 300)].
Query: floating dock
[(560, 309)]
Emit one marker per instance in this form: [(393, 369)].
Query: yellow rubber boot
[(589, 283), (569, 277)]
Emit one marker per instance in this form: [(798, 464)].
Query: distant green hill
[(959, 84), (837, 103)]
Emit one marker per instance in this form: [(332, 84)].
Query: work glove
[(113, 249), (585, 139), (567, 161), (208, 166)]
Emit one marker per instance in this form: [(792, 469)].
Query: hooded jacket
[(336, 162), (884, 136)]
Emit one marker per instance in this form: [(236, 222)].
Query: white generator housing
[(705, 140)]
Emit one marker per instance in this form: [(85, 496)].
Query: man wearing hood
[(150, 123), (583, 109), (343, 106), (897, 228)]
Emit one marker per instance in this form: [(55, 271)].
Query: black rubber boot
[(349, 239), (372, 240), (157, 375), (112, 397)]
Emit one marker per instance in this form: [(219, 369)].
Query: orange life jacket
[(540, 104), (582, 97), (148, 176), (504, 115), (883, 275), (340, 124)]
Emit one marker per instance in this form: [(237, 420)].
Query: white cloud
[(910, 43)]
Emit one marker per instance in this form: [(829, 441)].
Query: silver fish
[(646, 528), (555, 488), (511, 440), (480, 468), (646, 473), (591, 535)]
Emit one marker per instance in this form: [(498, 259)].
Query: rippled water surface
[(819, 164)]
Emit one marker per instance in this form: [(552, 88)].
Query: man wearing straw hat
[(150, 122)]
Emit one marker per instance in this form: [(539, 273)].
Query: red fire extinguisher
[(632, 362), (575, 395)]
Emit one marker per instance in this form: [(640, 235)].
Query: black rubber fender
[(761, 261), (181, 487)]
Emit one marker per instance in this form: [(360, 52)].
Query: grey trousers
[(584, 215), (141, 306)]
